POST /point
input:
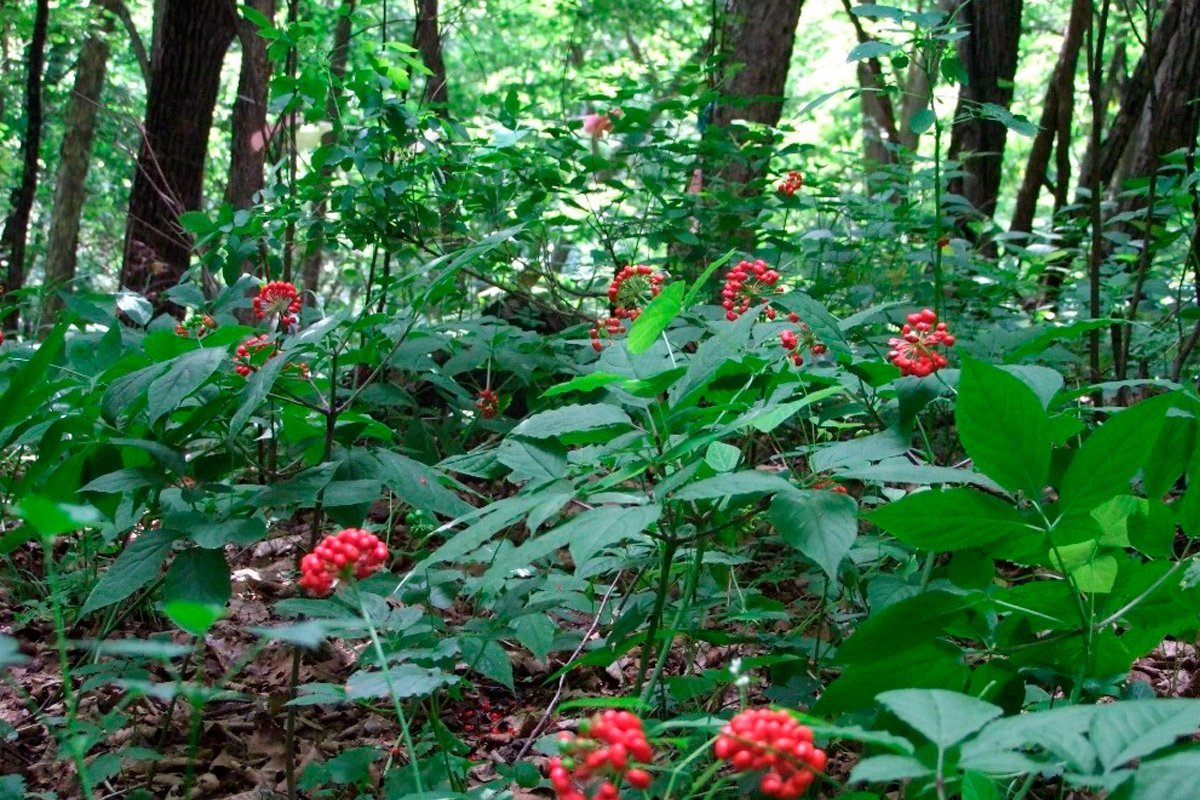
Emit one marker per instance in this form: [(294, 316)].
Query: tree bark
[(1055, 121), (311, 266), (191, 42), (427, 39), (1137, 90), (878, 113), (989, 55), (74, 159), (248, 152), (16, 226), (756, 39)]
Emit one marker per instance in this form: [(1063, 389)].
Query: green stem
[(660, 601), (387, 679), (60, 641)]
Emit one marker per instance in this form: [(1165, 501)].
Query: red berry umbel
[(791, 184), (488, 404), (830, 485), (746, 285), (604, 753), (352, 551), (764, 739), (628, 293), (245, 360), (793, 343), (277, 298), (914, 351)]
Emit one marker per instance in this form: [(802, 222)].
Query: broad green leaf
[(187, 373), (258, 386), (746, 482), (586, 534), (1167, 778), (536, 634), (953, 519), (944, 718), (902, 470), (583, 383), (406, 680), (308, 634), (924, 665), (50, 518), (655, 317), (124, 480), (922, 121), (887, 768), (769, 418), (196, 589), (138, 564), (136, 307), (821, 525), (10, 652), (488, 658), (1003, 427), (1122, 732), (861, 452), (419, 485), (1094, 474), (572, 419), (537, 461), (871, 49), (722, 457)]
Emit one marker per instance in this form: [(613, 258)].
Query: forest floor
[(241, 751)]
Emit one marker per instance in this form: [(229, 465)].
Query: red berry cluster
[(277, 297), (914, 351), (488, 404), (793, 343), (199, 324), (745, 285), (791, 184), (605, 749), (763, 739), (607, 327), (243, 360), (350, 551), (833, 486), (633, 287)]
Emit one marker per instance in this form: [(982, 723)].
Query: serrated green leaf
[(196, 589), (655, 317)]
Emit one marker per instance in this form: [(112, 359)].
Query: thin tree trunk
[(311, 267), (878, 113), (121, 11), (1055, 121), (74, 159), (989, 55), (757, 38), (428, 41), (192, 40), (248, 152), (16, 226), (1134, 100)]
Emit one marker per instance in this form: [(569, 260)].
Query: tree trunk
[(73, 161), (16, 226), (989, 55), (756, 41), (878, 113), (428, 41), (311, 267), (1172, 125), (1137, 90), (1055, 121), (248, 152), (191, 45)]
